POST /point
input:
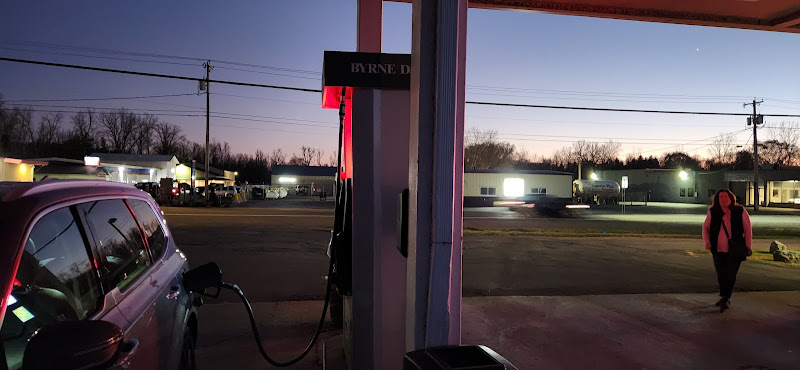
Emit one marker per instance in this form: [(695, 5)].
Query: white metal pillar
[(433, 313), (380, 158)]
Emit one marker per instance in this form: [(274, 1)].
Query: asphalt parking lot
[(275, 251)]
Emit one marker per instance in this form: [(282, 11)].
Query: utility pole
[(755, 120), (208, 67)]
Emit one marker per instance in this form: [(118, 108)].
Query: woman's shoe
[(724, 306), (721, 301)]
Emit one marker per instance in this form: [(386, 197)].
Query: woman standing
[(726, 220)]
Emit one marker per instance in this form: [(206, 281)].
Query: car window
[(151, 226), (120, 250), (55, 281)]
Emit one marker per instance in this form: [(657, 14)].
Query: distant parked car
[(302, 190), (91, 278), (149, 188)]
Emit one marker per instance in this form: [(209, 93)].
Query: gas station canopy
[(767, 15)]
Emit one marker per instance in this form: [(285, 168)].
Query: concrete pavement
[(632, 331)]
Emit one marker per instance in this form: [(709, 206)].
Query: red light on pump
[(332, 96), (347, 145), (17, 282)]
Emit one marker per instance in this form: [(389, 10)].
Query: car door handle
[(174, 292), (126, 354)]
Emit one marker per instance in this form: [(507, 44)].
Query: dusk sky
[(512, 57)]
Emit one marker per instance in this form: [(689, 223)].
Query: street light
[(593, 176), (683, 175)]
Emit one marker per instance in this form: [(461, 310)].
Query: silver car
[(90, 277)]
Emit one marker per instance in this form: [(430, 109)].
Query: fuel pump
[(209, 276)]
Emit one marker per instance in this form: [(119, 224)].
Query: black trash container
[(456, 357)]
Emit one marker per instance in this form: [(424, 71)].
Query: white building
[(484, 187), (134, 168)]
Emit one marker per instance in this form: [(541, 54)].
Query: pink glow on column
[(347, 137)]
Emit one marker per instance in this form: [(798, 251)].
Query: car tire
[(188, 351)]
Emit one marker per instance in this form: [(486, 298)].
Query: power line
[(319, 91), (592, 122), (271, 129), (152, 55), (779, 106), (606, 100), (597, 93), (268, 117), (96, 50), (710, 138), (572, 141), (317, 73), (620, 110), (98, 57), (98, 99), (112, 109), (128, 110), (276, 122), (268, 73), (155, 75), (593, 138), (260, 98)]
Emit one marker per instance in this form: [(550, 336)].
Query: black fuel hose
[(257, 335)]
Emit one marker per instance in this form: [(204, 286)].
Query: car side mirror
[(199, 278), (85, 344)]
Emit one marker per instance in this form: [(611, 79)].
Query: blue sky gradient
[(516, 57)]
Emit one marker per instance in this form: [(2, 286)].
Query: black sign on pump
[(372, 70)]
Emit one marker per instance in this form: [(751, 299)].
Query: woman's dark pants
[(727, 268)]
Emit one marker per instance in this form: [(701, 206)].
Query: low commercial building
[(183, 175), (13, 169), (135, 168), (666, 185), (63, 168), (484, 187), (777, 187), (305, 180)]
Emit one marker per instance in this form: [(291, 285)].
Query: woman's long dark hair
[(715, 207)]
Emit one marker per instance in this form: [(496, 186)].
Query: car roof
[(21, 202)]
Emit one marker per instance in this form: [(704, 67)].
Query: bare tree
[(561, 157), (482, 150), (144, 129), (786, 141), (277, 158), (16, 131), (82, 126), (49, 131), (296, 161), (722, 150), (332, 159), (679, 159), (318, 153), (307, 154), (119, 129), (261, 159), (168, 137)]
